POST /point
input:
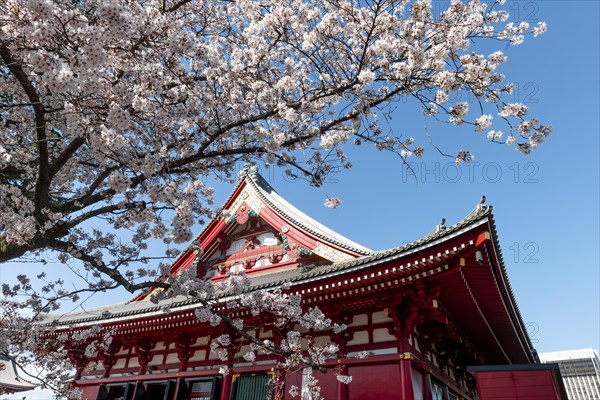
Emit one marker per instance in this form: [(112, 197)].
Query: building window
[(116, 392), (417, 383), (252, 387), (163, 390), (200, 389), (437, 391)]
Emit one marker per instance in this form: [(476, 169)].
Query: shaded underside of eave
[(471, 297), (511, 300)]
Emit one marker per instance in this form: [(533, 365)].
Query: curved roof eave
[(289, 212), (131, 310)]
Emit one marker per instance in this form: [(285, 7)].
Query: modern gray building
[(580, 370)]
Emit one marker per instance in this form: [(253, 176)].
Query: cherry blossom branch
[(65, 156), (43, 181), (113, 273)]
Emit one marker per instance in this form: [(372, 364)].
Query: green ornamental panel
[(253, 387)]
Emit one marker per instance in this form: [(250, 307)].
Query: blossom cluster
[(333, 202)]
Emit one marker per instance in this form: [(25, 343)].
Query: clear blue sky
[(546, 204)]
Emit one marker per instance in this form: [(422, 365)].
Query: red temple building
[(424, 312)]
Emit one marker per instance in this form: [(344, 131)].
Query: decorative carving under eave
[(410, 312), (293, 250), (250, 244), (223, 242), (471, 384), (429, 338), (252, 251), (182, 347), (232, 218), (275, 258), (78, 359), (329, 253), (142, 350), (242, 214)]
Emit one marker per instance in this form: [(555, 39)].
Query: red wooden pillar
[(407, 316), (182, 347), (227, 379), (279, 375), (340, 340), (78, 360), (342, 388), (406, 388), (226, 389), (142, 351), (78, 373), (107, 363), (108, 358), (402, 329)]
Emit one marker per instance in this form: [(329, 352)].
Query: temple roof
[(295, 276), (10, 382), (463, 261)]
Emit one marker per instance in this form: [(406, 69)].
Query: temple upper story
[(258, 231)]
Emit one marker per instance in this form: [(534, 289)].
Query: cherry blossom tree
[(118, 110)]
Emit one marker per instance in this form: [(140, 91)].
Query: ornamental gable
[(259, 232)]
